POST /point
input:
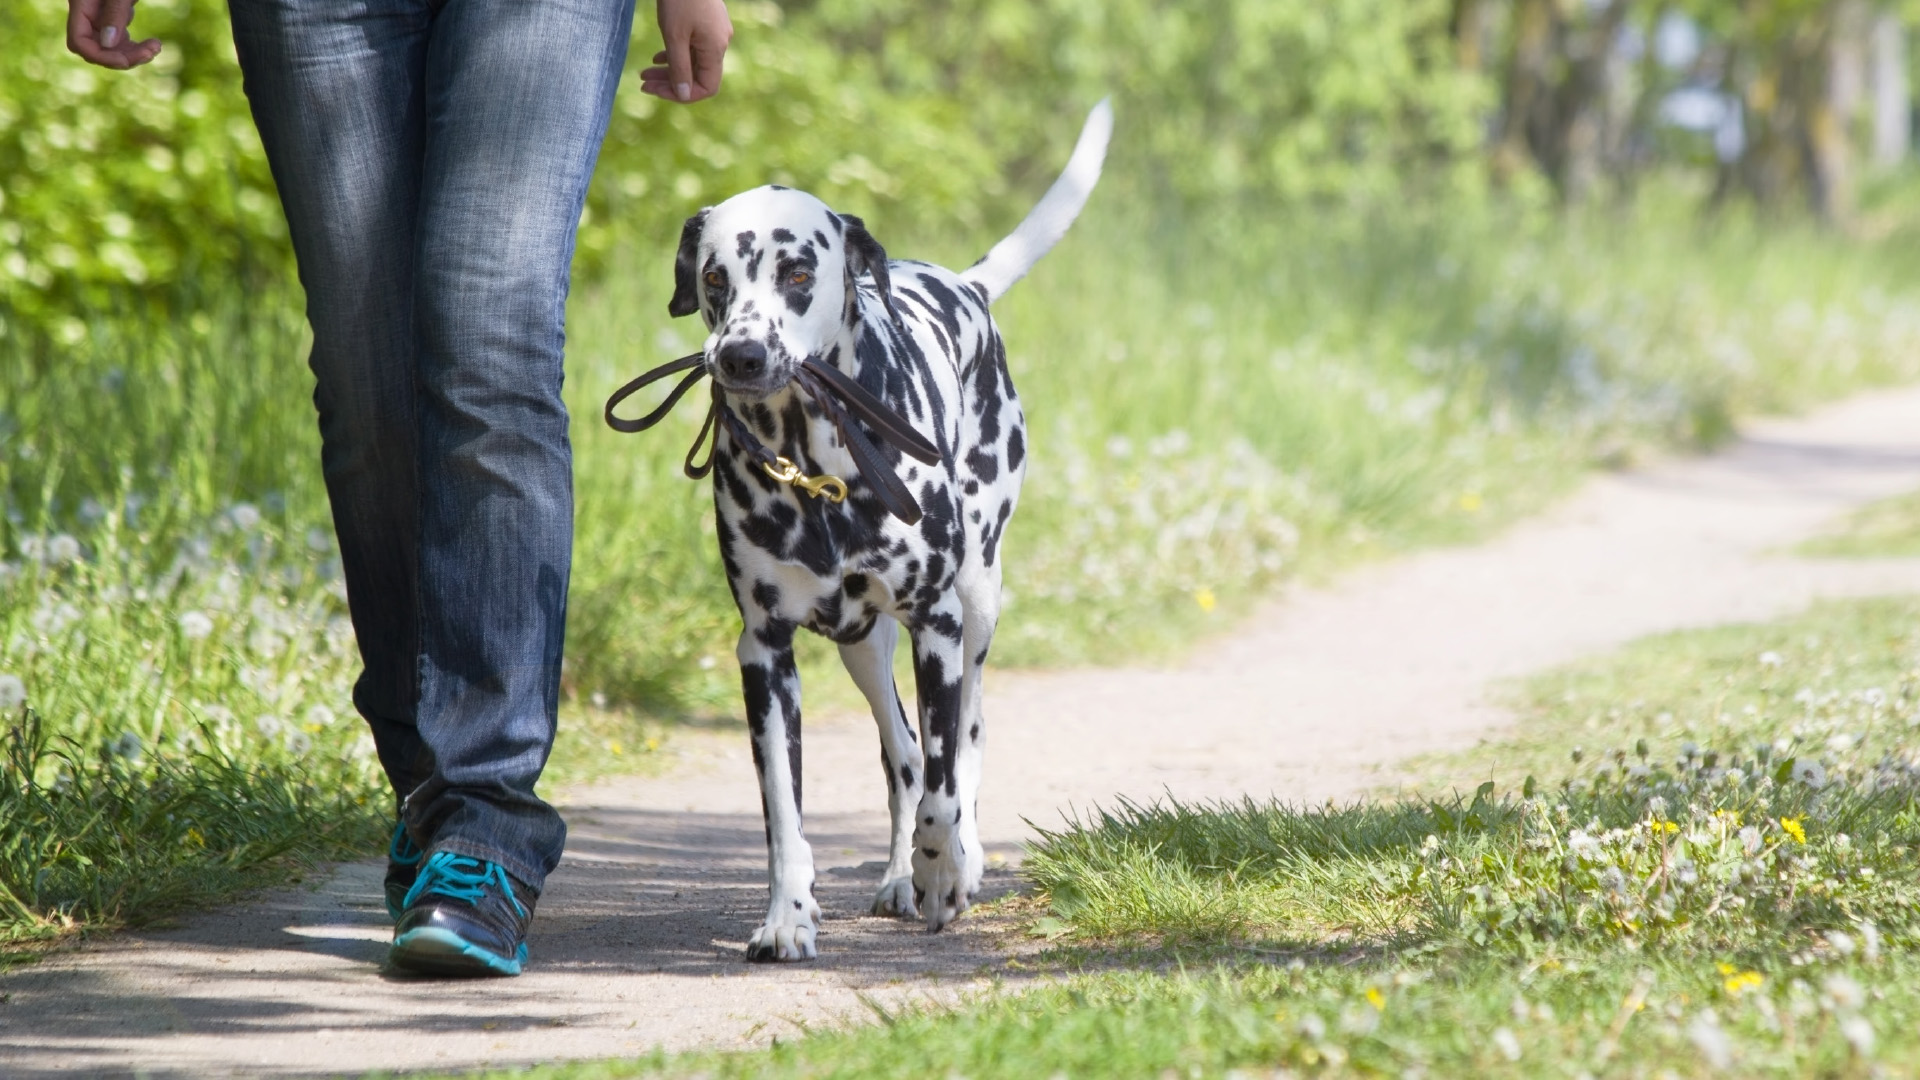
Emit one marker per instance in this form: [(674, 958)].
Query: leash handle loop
[(630, 427)]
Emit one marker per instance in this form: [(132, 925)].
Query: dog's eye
[(799, 277), (715, 277)]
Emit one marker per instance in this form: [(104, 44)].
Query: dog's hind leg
[(947, 860), (870, 662), (772, 686), (980, 597)]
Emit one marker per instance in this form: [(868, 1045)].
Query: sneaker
[(463, 916), (403, 866)]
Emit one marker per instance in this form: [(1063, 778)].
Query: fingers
[(97, 33), (695, 33)]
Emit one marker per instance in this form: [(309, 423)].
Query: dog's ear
[(866, 256), (686, 278)]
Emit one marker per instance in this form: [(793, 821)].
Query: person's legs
[(518, 94), (338, 90), (433, 160)]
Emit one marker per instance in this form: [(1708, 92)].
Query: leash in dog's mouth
[(843, 400)]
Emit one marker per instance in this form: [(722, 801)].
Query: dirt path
[(640, 934)]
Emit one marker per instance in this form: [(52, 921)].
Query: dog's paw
[(946, 870), (788, 934), (895, 899)]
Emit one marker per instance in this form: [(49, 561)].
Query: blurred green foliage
[(117, 188), (120, 188)]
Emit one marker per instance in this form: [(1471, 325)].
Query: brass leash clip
[(832, 488)]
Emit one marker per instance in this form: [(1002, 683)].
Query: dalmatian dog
[(779, 277)]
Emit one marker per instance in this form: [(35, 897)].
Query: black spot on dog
[(743, 243), (796, 905), (766, 595), (855, 585), (782, 236), (983, 465), (1016, 448), (821, 238), (931, 853), (906, 775), (974, 734)]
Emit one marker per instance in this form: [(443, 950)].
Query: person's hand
[(696, 33), (97, 33)]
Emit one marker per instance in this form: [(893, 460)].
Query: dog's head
[(772, 273)]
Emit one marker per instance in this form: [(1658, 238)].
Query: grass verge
[(1889, 528), (1723, 882)]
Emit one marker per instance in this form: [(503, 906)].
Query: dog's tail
[(1047, 222)]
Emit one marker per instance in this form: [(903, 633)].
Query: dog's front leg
[(772, 686), (947, 861)]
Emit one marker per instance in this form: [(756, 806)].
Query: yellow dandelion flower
[(1205, 598), (1471, 502), (1794, 829), (1375, 999), (1740, 982)]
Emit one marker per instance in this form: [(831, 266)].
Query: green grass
[(1214, 408), (1888, 528), (1724, 881)]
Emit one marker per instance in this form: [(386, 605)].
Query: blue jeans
[(432, 157)]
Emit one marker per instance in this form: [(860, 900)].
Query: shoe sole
[(433, 951)]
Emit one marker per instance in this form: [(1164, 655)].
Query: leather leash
[(844, 401)]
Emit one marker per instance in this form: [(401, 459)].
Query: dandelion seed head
[(1771, 659), (318, 541), (320, 716), (62, 550), (299, 742), (1707, 1037), (1858, 1032), (269, 726), (1507, 1043), (196, 625), (1313, 1027), (244, 516), (1840, 942), (13, 692), (1844, 992), (125, 745), (1810, 773)]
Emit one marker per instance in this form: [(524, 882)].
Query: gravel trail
[(639, 939)]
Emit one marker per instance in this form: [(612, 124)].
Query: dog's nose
[(743, 361)]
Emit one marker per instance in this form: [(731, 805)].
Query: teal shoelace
[(462, 877), (403, 850)]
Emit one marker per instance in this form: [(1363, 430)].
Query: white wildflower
[(244, 516), (1771, 659), (1750, 840), (320, 716), (1859, 1035), (1869, 941), (1710, 1040), (1359, 1019), (13, 692), (269, 726), (1840, 943), (1508, 1045), (1313, 1027), (1613, 880), (1840, 743), (299, 742), (196, 625), (219, 714), (1583, 844), (62, 550)]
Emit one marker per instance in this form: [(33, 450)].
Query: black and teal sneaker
[(463, 916), (403, 866)]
